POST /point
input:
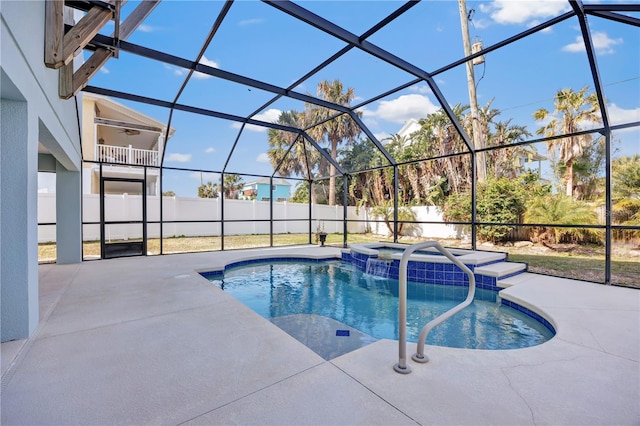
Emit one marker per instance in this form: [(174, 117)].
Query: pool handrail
[(419, 356)]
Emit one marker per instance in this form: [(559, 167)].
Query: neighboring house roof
[(108, 108), (276, 181), (534, 157), (411, 126)]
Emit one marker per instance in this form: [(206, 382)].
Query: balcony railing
[(127, 155)]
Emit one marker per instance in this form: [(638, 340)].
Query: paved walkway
[(148, 341)]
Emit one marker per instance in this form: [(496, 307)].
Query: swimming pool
[(368, 304)]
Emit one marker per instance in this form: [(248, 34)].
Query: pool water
[(369, 304)]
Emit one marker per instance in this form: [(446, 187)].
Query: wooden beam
[(82, 33), (136, 17), (53, 33), (101, 55), (65, 81), (126, 125)]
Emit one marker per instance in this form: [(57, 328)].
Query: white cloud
[(269, 116), (252, 21), (178, 158), (403, 108), (423, 88), (382, 136), (263, 158), (481, 24), (208, 62), (104, 70), (619, 115), (174, 70), (527, 12), (210, 150), (601, 42), (146, 28)]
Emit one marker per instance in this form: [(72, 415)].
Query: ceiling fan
[(130, 132)]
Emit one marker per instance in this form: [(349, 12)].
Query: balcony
[(126, 155)]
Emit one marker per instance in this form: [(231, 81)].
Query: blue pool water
[(337, 290)]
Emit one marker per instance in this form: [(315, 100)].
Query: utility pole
[(473, 100)]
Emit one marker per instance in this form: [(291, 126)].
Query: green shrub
[(500, 200)]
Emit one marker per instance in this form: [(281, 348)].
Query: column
[(68, 215), (18, 220)]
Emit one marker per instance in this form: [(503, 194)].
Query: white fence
[(253, 216)]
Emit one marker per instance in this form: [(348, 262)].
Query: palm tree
[(507, 161), (231, 185), (336, 130), (385, 211), (439, 137), (560, 209), (572, 109), (208, 190), (281, 140)]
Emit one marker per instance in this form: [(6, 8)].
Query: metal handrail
[(419, 356)]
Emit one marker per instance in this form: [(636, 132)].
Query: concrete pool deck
[(148, 341)]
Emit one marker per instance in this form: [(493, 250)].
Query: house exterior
[(39, 132), (410, 126), (125, 140), (261, 190)]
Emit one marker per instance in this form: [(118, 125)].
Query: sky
[(262, 43)]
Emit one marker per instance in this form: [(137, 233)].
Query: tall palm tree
[(572, 110), (335, 131), (302, 159), (280, 141), (506, 161)]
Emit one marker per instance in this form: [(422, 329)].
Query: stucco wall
[(32, 112)]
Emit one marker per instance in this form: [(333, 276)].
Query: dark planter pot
[(323, 237)]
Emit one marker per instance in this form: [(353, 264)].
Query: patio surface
[(149, 341)]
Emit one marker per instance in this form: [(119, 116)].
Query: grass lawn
[(590, 268), (624, 271)]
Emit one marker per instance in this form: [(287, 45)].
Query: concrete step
[(517, 279), (501, 269), (480, 257)]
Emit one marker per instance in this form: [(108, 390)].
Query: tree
[(438, 137), (506, 161), (168, 194), (208, 190), (587, 171), (385, 211), (366, 188), (559, 209), (232, 185), (572, 110), (281, 140), (500, 200), (302, 159), (301, 194), (626, 177), (335, 131), (626, 194)]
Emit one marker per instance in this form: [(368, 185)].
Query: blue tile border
[(220, 273), (530, 313)]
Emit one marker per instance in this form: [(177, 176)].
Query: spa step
[(501, 269), (517, 279)]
